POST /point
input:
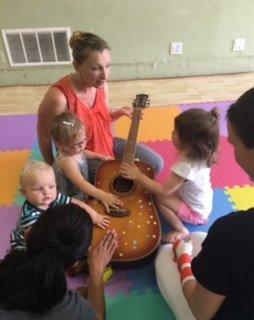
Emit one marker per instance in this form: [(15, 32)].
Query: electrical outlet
[(239, 45), (176, 48)]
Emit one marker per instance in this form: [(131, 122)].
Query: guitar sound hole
[(123, 185)]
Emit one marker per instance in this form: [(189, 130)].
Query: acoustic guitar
[(136, 222)]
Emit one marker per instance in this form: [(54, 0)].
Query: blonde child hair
[(71, 170), (30, 167), (65, 127)]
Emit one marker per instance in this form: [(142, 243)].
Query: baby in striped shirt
[(38, 186)]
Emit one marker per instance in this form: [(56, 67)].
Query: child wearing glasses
[(70, 165)]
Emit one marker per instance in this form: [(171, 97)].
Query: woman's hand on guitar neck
[(118, 113), (130, 171), (110, 200)]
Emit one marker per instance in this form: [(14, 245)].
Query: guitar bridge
[(119, 213)]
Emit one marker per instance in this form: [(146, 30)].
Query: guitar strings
[(138, 103), (123, 183)]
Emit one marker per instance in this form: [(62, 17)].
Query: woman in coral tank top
[(85, 92)]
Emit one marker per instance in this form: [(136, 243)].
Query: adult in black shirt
[(219, 282)]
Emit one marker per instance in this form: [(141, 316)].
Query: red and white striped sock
[(183, 254)]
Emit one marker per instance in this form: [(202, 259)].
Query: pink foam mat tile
[(168, 152), (226, 172), (216, 180)]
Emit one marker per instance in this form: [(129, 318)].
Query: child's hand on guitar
[(129, 171), (110, 200), (101, 221)]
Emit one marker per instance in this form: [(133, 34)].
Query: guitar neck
[(129, 151)]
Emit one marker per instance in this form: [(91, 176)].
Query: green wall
[(139, 32)]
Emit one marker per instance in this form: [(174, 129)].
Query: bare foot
[(173, 235)]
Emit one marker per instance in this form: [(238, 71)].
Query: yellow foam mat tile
[(156, 125), (241, 197), (11, 164)]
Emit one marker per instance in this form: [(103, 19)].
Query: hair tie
[(214, 113), (50, 245), (68, 123)]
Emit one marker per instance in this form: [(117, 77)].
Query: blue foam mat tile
[(149, 306), (143, 279), (221, 206)]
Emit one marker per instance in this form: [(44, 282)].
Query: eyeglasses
[(78, 144)]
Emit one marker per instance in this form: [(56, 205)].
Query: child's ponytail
[(198, 132), (215, 113)]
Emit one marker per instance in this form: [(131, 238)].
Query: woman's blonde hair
[(65, 127), (83, 43)]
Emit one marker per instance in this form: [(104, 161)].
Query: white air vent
[(40, 46)]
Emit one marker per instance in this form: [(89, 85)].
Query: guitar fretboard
[(129, 151)]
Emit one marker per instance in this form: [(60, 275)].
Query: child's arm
[(93, 155), (98, 219), (132, 172), (70, 169)]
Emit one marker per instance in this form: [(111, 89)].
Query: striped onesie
[(29, 216)]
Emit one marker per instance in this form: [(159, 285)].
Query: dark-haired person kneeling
[(33, 282)]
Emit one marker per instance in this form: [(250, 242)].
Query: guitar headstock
[(141, 101)]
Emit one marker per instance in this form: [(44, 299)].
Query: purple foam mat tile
[(118, 283), (221, 105), (8, 218), (17, 132), (76, 282)]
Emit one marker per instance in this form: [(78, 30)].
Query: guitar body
[(137, 224)]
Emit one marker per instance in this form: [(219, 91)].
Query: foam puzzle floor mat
[(130, 293)]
